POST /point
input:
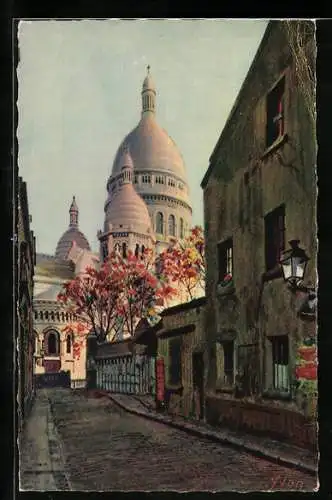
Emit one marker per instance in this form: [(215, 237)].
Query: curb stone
[(214, 436)]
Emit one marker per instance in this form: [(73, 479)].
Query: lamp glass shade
[(287, 268), (299, 265), (294, 262)]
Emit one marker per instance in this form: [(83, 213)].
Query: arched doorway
[(52, 362)]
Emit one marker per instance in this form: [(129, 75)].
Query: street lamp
[(294, 263)]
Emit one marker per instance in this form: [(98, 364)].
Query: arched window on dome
[(181, 228), (137, 250), (124, 250), (160, 223), (171, 225)]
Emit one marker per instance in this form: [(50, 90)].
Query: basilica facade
[(150, 161), (147, 206)]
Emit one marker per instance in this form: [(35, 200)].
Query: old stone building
[(181, 343), (25, 335), (54, 345), (260, 193)]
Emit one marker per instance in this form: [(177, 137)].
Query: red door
[(52, 365)]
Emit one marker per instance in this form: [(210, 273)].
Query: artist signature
[(285, 481)]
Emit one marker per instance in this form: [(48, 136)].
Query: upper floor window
[(171, 225), (280, 362), (135, 179), (160, 223), (275, 123), (137, 250), (225, 259), (274, 237)]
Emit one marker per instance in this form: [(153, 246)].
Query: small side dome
[(127, 209), (72, 234), (65, 242)]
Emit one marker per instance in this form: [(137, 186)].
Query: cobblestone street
[(106, 448)]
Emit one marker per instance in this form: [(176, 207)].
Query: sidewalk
[(282, 453), (41, 466)]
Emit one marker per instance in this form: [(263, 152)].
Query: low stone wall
[(275, 422)]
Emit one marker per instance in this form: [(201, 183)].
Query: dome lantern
[(148, 94), (73, 212)]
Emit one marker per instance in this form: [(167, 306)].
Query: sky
[(79, 94)]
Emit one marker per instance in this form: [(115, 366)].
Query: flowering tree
[(117, 296), (184, 262)]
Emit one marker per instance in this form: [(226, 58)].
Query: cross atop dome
[(148, 93)]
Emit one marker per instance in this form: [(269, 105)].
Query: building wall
[(76, 366), (181, 398), (245, 182), (25, 335)]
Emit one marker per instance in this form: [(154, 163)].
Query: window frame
[(224, 247), (171, 220), (275, 112), (280, 353), (161, 222), (274, 236)]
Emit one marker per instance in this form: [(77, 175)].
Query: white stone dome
[(151, 148), (126, 209)]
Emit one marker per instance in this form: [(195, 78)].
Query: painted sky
[(79, 95)]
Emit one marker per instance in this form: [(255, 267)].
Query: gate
[(127, 374), (57, 379)]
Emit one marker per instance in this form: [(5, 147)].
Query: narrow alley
[(95, 445)]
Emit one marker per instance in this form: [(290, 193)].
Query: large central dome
[(151, 148)]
